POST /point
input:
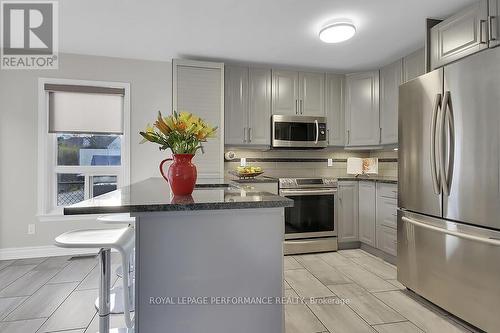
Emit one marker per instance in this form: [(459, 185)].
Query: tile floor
[(57, 295)]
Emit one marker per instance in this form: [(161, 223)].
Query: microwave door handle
[(317, 131)]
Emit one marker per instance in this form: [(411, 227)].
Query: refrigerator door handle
[(490, 241), (446, 143), (436, 180)]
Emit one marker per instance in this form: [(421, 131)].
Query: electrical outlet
[(31, 229), (330, 162), (243, 162)]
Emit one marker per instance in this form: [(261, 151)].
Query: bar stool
[(121, 240), (116, 293)]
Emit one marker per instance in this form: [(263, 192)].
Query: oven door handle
[(317, 131), (308, 192)]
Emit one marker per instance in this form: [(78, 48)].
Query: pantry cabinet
[(362, 109), (347, 211), (390, 79), (247, 106)]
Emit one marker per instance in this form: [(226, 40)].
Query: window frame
[(48, 169)]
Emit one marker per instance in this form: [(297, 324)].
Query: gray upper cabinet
[(390, 79), (494, 23), (312, 94), (298, 93), (348, 211), (414, 65), (335, 109), (285, 89), (259, 115), (460, 35), (236, 104), (247, 106), (367, 203), (362, 109)]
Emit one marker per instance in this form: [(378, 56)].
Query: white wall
[(151, 90)]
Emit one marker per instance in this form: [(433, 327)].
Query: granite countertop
[(380, 179), (153, 195), (259, 179)]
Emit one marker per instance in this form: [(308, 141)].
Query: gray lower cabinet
[(298, 93), (494, 23), (367, 212), (347, 211), (362, 109), (247, 106), (414, 65), (386, 217), (460, 35), (390, 79), (335, 109)]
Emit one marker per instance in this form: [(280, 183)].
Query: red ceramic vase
[(181, 174)]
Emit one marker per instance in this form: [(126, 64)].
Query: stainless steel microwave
[(298, 132)]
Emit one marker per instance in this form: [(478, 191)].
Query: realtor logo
[(29, 35)]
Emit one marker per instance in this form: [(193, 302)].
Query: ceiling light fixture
[(337, 32)]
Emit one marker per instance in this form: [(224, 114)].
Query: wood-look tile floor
[(346, 292)]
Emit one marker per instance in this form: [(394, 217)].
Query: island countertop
[(154, 195)]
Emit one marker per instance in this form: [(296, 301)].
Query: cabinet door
[(312, 94), (348, 211), (390, 79), (362, 109), (259, 111), (285, 92), (494, 23), (335, 109), (367, 212), (236, 105), (458, 36), (414, 65), (198, 87), (387, 240)]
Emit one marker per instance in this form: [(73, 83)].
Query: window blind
[(85, 109)]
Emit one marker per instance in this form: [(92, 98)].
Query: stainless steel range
[(311, 224)]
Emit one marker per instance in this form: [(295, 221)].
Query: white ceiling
[(260, 31)]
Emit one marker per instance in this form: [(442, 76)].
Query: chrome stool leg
[(104, 287)]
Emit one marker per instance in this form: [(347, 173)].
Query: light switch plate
[(330, 162), (243, 162)]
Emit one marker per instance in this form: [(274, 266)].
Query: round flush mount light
[(337, 32)]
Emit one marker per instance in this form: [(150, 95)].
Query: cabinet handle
[(328, 136), (249, 134), (296, 106), (301, 107), (380, 135), (348, 137), (492, 27), (244, 134), (482, 28)]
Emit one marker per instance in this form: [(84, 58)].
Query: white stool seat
[(96, 238), (116, 219)]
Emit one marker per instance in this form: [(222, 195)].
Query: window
[(83, 141)]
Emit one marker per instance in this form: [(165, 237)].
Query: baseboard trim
[(41, 251)]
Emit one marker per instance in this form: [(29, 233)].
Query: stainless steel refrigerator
[(449, 188)]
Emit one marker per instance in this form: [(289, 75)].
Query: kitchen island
[(209, 262)]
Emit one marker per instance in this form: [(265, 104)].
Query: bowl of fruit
[(248, 172)]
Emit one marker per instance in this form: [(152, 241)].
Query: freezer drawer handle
[(453, 233)]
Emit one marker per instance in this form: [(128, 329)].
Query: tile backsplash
[(309, 169)]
